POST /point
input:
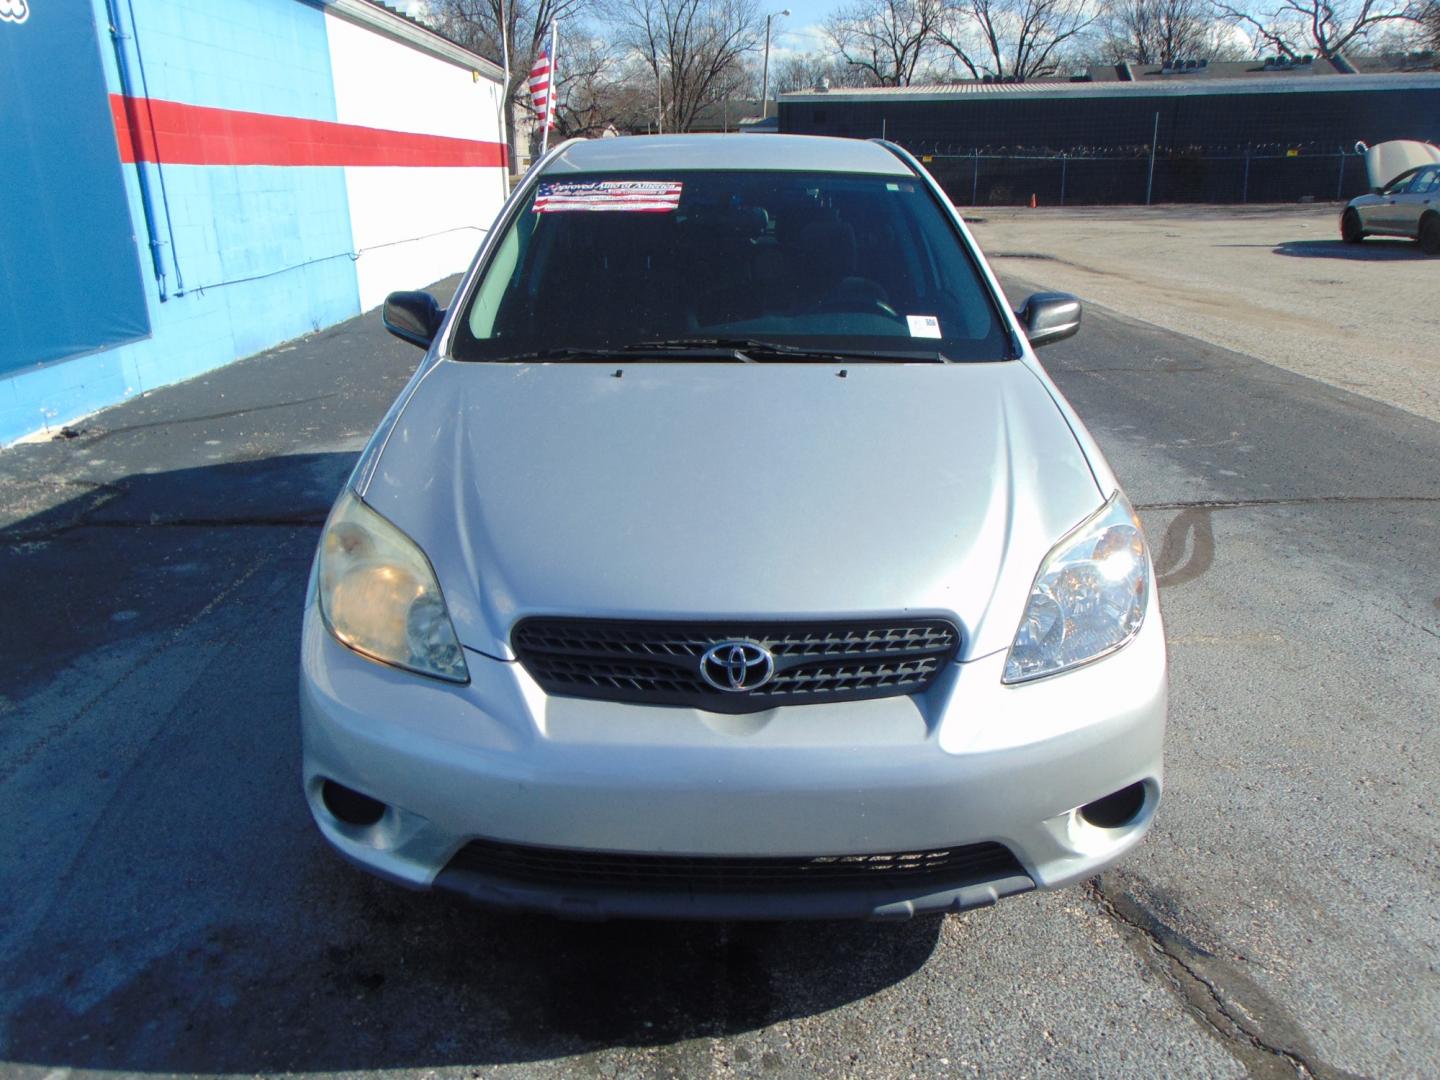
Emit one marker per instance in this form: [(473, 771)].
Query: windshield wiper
[(743, 350), (756, 349), (641, 350), (552, 354), (737, 344)]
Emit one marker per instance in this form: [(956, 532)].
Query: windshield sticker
[(634, 196), (923, 326)]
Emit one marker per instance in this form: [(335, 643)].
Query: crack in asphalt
[(1191, 531), (1313, 500), (1416, 626), (88, 438), (288, 521), (1153, 369), (80, 514), (94, 495), (1229, 1005)]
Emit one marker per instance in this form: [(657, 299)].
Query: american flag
[(541, 82), (636, 196)]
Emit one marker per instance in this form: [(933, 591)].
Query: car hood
[(1387, 160), (732, 491)]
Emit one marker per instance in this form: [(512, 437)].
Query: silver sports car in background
[(730, 555), (1405, 195)]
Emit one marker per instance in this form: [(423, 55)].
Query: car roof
[(791, 153)]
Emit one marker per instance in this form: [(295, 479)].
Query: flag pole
[(550, 94), (505, 97)]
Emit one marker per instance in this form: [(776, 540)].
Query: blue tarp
[(70, 279)]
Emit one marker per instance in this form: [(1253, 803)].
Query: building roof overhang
[(381, 19)]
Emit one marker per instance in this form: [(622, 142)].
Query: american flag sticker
[(634, 196)]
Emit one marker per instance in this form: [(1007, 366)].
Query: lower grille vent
[(949, 867)]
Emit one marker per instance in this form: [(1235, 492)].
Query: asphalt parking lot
[(1273, 282), (166, 906)]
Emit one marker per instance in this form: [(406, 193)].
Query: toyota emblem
[(737, 666)]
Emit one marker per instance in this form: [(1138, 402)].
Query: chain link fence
[(987, 178), (1215, 141)]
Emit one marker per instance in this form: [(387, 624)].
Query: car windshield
[(1400, 183), (1426, 181), (851, 265)]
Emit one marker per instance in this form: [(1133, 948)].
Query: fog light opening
[(1117, 809), (350, 806)]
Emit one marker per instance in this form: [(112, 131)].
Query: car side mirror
[(412, 316), (1049, 317)]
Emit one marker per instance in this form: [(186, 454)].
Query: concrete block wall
[(407, 221)]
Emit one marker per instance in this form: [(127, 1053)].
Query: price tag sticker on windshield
[(924, 326), (625, 196)]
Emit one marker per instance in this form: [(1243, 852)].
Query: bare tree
[(1430, 23), (1319, 27), (1016, 39), (695, 49), (1157, 31), (806, 71), (887, 40), (476, 25), (600, 88)]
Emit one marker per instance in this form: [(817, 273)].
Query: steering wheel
[(856, 301)]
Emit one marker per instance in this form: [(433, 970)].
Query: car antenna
[(619, 373)]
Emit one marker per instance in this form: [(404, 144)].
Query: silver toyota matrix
[(729, 555)]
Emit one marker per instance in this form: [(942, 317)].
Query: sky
[(800, 33)]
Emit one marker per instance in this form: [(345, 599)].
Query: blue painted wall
[(260, 254)]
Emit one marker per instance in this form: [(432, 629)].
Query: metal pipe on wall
[(147, 204), (159, 165)]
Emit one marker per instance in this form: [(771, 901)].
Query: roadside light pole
[(765, 69)]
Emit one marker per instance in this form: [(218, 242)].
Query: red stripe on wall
[(172, 132)]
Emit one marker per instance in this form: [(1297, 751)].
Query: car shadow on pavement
[(1374, 249), (166, 904)]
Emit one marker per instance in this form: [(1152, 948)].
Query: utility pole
[(765, 68)]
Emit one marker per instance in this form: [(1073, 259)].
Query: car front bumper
[(970, 761)]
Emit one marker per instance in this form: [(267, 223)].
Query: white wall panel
[(413, 224)]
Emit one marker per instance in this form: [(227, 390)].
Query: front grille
[(949, 867), (658, 663)]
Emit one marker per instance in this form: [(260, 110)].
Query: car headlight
[(1089, 597), (379, 595)]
